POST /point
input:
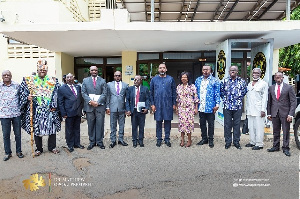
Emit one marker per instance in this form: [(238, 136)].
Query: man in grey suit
[(115, 107), (281, 109), (94, 94)]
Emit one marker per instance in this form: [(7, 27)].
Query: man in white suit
[(256, 108)]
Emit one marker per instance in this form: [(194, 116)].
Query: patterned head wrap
[(42, 64)]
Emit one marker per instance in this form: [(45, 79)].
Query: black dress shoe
[(141, 143), (101, 146), (211, 143), (6, 157), (113, 144), (71, 149), (202, 142), (79, 146), (287, 152), (123, 143), (227, 146), (158, 143), (273, 149), (257, 147), (90, 147), (238, 146), (134, 144), (249, 145), (20, 155), (168, 144)]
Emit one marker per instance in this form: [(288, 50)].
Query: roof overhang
[(110, 39)]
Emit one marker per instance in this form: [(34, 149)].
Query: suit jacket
[(144, 97), (68, 104), (286, 104), (88, 88), (116, 103)]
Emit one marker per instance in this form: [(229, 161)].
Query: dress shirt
[(233, 92), (74, 88), (120, 85), (257, 97), (212, 96), (203, 91), (136, 89), (9, 100), (276, 88)]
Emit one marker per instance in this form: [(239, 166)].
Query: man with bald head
[(10, 113), (70, 105), (281, 109), (233, 89), (115, 107), (94, 94)]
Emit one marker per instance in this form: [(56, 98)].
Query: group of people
[(39, 103)]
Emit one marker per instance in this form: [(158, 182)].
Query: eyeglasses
[(136, 80), (117, 75)]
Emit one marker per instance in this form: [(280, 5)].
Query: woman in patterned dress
[(187, 106)]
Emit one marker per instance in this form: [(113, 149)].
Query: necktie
[(118, 88), (73, 90), (278, 92), (94, 81), (137, 97)]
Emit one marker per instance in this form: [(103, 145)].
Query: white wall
[(35, 11)]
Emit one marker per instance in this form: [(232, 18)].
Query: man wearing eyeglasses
[(115, 107), (137, 106)]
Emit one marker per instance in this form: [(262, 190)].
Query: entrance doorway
[(106, 67), (175, 68)]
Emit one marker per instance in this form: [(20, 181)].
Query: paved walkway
[(151, 126)]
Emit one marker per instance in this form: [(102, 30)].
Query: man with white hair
[(256, 108)]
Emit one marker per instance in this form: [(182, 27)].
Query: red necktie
[(94, 81), (278, 92), (137, 97)]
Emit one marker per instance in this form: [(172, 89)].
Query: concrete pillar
[(3, 52), (275, 61), (64, 64), (129, 58)]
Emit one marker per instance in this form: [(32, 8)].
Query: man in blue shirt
[(163, 100), (233, 89), (208, 90)]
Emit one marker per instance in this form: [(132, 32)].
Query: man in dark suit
[(70, 104), (137, 93), (115, 107), (281, 109), (94, 95)]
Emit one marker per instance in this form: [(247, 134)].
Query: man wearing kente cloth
[(46, 120)]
